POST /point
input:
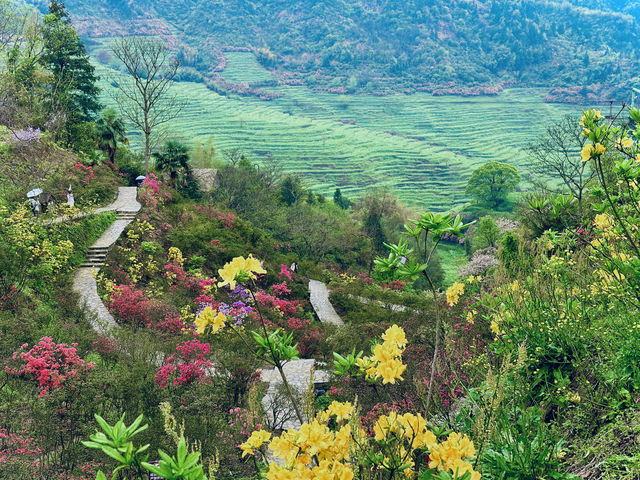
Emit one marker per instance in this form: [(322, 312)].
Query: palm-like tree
[(110, 132), (173, 157)]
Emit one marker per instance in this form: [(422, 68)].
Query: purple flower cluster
[(241, 293), (56, 121), (27, 135), (238, 311)]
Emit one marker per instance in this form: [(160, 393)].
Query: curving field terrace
[(422, 147)]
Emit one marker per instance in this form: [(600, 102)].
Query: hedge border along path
[(84, 283)]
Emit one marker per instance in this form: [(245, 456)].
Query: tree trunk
[(147, 134)]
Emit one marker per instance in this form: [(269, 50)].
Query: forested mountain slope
[(452, 46)]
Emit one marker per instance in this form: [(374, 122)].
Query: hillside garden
[(499, 341)]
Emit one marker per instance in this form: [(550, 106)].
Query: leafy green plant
[(524, 449), (115, 442), (183, 466)]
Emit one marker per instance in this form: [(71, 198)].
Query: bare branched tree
[(557, 155), (144, 98)]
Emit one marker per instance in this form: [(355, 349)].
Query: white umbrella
[(34, 193)]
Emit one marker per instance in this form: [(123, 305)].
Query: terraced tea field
[(422, 147)]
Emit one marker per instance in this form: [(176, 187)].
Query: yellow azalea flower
[(383, 352), (253, 265), (586, 151), (256, 440), (391, 370), (341, 444), (228, 274), (625, 142), (276, 472), (384, 425), (314, 437), (449, 454), (283, 448), (454, 292), (494, 327), (396, 335), (204, 318), (470, 317), (599, 149), (342, 410), (239, 269), (218, 322), (603, 220)]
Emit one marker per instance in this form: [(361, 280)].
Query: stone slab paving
[(126, 201), (319, 298), (280, 413), (391, 306), (279, 410), (84, 282)]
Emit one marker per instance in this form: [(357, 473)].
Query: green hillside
[(584, 51), (421, 146)]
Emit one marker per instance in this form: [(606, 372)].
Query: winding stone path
[(84, 282), (319, 298), (300, 374)]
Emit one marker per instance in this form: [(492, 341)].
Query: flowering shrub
[(151, 192), (324, 447), (129, 305), (386, 361), (18, 454), (83, 172), (481, 261), (28, 251), (285, 272), (281, 289), (132, 307), (287, 307), (185, 367), (52, 365)]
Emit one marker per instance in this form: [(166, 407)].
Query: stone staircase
[(95, 257), (126, 215), (97, 254)]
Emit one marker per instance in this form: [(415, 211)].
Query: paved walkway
[(301, 374), (391, 306), (319, 298), (276, 404), (84, 282)]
